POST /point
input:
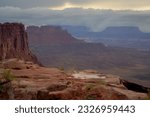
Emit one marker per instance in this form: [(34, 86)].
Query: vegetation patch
[(89, 87), (6, 77)]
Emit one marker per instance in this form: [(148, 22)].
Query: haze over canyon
[(74, 49)]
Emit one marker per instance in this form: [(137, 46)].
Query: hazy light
[(65, 6), (110, 5)]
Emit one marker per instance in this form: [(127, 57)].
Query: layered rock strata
[(14, 42)]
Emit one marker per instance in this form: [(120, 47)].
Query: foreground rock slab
[(33, 82)]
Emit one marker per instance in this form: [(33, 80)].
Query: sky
[(95, 14)]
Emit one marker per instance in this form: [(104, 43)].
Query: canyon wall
[(14, 42)]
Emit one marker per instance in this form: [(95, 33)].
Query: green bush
[(6, 77)]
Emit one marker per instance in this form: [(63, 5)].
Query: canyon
[(33, 81)]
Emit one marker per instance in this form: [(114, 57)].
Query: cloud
[(102, 4), (39, 12), (97, 20), (31, 3)]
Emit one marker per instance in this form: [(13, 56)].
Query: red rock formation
[(49, 35), (41, 83), (14, 42)]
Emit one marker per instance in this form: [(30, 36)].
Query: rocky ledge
[(136, 85), (35, 82)]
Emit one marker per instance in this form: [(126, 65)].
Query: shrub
[(7, 77), (5, 83)]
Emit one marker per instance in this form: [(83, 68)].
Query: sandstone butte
[(33, 81), (14, 42)]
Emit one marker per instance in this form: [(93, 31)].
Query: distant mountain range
[(122, 36)]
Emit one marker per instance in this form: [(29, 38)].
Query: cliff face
[(45, 35), (14, 42)]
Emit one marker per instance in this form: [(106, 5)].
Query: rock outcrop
[(14, 42), (135, 86), (46, 35), (35, 82)]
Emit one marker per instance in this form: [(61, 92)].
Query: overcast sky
[(102, 4), (89, 13)]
